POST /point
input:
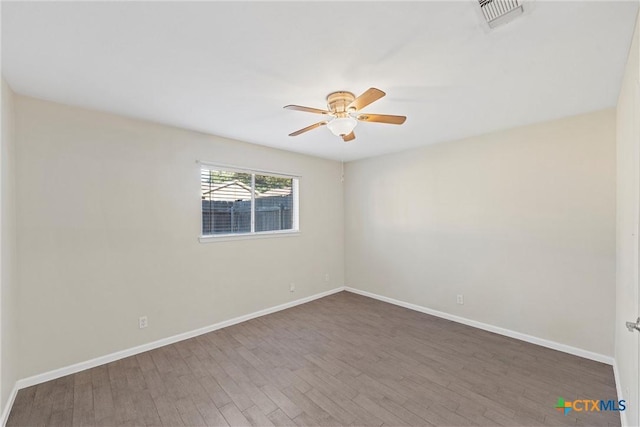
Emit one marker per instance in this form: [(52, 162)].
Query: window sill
[(248, 236)]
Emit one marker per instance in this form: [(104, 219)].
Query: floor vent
[(499, 12)]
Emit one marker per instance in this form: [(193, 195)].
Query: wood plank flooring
[(341, 360)]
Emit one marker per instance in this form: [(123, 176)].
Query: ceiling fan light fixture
[(341, 126)]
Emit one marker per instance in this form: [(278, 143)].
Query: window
[(238, 202)]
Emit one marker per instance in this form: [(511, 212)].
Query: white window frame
[(295, 189)]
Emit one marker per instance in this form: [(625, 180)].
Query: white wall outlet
[(292, 287), (143, 322), (326, 277), (460, 299)]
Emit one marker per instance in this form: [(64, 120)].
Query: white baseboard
[(495, 329), (8, 406), (77, 367), (623, 414)]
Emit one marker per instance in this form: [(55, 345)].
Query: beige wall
[(109, 219), (628, 196), (521, 222), (8, 277)]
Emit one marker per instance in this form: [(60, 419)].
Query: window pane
[(226, 202), (274, 203)]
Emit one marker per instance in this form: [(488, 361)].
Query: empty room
[(328, 213)]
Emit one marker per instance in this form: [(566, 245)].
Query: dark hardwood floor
[(341, 360)]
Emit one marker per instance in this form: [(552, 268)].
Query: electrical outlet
[(460, 299), (326, 277), (143, 322), (292, 287)]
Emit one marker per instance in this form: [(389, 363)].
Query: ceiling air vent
[(499, 12)]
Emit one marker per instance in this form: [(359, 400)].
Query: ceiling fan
[(343, 113)]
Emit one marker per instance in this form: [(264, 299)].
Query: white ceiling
[(228, 68)]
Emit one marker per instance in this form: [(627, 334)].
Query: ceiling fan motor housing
[(337, 102)]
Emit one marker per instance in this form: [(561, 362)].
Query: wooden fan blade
[(308, 128), (306, 109), (350, 137), (382, 118), (370, 95)]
